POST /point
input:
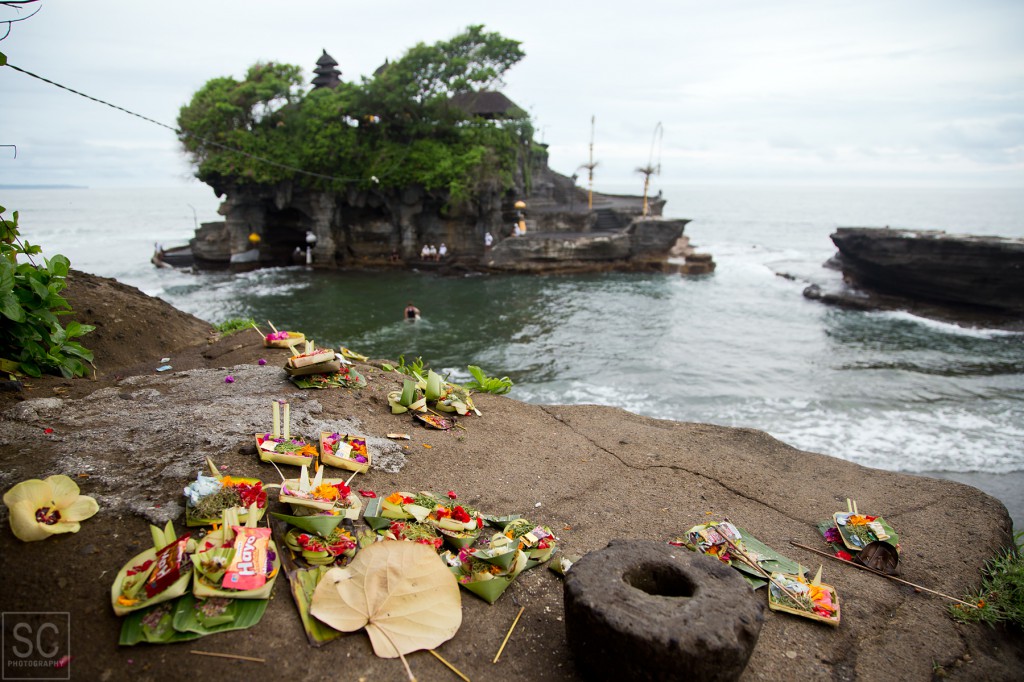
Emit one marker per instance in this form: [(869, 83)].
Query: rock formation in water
[(960, 270), (364, 228)]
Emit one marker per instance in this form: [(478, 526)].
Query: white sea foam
[(944, 327)]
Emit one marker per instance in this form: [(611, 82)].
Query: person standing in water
[(411, 312)]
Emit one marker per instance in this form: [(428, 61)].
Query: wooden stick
[(498, 655), (258, 329), (237, 657), (449, 665), (884, 575), (757, 567), (272, 326)]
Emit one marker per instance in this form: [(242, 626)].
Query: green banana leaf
[(153, 625), (500, 522), (303, 582), (322, 525), (240, 614)]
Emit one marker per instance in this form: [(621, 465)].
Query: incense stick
[(884, 575), (757, 567), (237, 657), (449, 665), (351, 477), (505, 641), (272, 326)]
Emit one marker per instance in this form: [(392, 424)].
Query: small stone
[(790, 654)]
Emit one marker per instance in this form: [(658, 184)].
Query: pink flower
[(229, 379), (262, 362)]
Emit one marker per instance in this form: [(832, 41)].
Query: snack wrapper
[(248, 568), (172, 561)]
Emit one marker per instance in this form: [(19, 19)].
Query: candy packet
[(172, 561), (248, 567)]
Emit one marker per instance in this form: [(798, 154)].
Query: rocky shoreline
[(132, 437)]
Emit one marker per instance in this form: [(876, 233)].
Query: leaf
[(401, 592)]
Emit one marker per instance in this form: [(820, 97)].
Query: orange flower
[(395, 498), (326, 492)]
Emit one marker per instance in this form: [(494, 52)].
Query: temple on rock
[(544, 222)]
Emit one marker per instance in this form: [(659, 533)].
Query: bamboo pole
[(884, 575), (449, 665), (505, 641), (237, 657)]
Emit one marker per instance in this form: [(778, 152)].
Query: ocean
[(741, 347)]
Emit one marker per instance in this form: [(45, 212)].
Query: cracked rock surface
[(133, 438)]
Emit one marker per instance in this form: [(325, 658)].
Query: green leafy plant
[(485, 384), (413, 369), (32, 340), (235, 324), (393, 130), (1000, 599)]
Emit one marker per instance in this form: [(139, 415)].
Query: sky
[(919, 93)]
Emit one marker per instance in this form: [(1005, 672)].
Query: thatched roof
[(486, 104)]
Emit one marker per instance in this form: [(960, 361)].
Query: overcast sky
[(867, 93)]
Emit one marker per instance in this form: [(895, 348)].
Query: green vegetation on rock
[(32, 340), (1000, 599), (394, 130)]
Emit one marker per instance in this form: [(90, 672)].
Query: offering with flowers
[(320, 550), (793, 594), (159, 574), (280, 339), (459, 524), (345, 451), (538, 542), (207, 497), (413, 531), (857, 530), (344, 377), (738, 548), (278, 445), (312, 361), (236, 561), (486, 579), (319, 495)]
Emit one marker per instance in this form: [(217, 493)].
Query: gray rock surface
[(644, 610)]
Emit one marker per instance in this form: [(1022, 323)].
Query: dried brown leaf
[(401, 592)]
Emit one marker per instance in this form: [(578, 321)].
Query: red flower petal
[(47, 430), (845, 556), (452, 495), (367, 493)]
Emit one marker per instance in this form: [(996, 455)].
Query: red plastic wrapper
[(171, 563), (248, 567)]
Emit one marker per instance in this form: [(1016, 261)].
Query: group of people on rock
[(431, 252)]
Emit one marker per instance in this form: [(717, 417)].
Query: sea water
[(740, 347)]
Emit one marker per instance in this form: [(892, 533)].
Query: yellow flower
[(40, 509)]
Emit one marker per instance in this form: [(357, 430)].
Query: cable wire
[(180, 132)]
